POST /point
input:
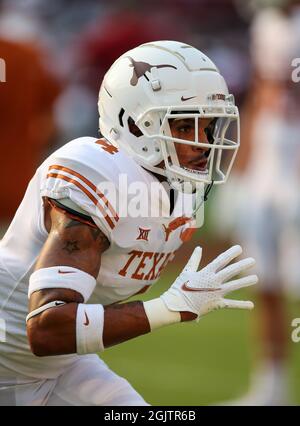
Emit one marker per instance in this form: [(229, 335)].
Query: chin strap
[(207, 190), (204, 198)]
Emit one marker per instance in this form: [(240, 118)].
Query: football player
[(165, 117)]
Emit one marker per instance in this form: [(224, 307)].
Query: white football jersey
[(140, 247)]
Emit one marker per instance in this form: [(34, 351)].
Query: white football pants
[(88, 381)]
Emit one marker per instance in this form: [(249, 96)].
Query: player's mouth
[(197, 171), (198, 166)]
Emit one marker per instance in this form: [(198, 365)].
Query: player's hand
[(204, 291)]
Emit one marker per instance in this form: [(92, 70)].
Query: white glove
[(203, 291)]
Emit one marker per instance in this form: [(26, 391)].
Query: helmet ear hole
[(133, 128)]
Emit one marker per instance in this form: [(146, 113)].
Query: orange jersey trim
[(87, 193), (88, 183)]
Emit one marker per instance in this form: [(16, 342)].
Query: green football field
[(197, 363)]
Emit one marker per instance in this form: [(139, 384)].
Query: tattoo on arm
[(71, 246), (72, 243), (95, 231), (95, 234), (72, 224)]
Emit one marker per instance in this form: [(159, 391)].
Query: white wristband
[(89, 328), (159, 315)]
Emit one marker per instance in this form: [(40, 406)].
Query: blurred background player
[(264, 193)]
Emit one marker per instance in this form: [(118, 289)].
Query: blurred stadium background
[(56, 54)]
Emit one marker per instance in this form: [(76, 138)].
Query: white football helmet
[(157, 82)]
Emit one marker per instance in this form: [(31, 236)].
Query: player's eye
[(186, 128)]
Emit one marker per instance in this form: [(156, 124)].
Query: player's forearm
[(53, 332), (124, 322), (129, 320)]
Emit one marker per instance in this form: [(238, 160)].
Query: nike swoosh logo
[(66, 272), (186, 288), (187, 99), (87, 321)]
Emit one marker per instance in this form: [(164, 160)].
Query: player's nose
[(202, 148)]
